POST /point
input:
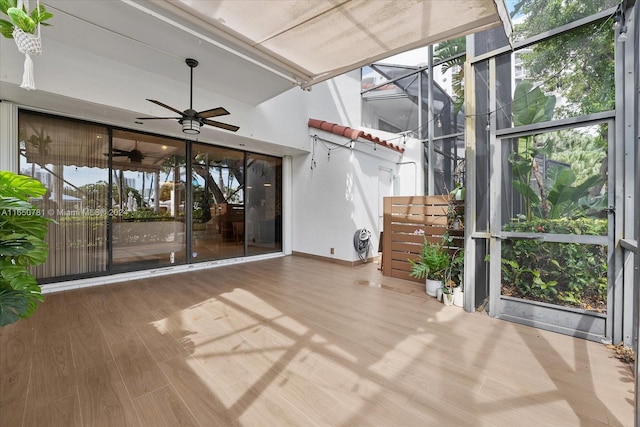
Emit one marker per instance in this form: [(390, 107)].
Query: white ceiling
[(252, 50), (248, 50)]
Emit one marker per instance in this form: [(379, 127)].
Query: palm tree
[(452, 53)]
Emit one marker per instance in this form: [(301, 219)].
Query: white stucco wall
[(87, 81), (327, 204), (341, 193)]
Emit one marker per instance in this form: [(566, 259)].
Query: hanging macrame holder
[(29, 44)]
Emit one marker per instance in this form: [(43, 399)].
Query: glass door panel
[(148, 201), (218, 203), (68, 158), (264, 198)]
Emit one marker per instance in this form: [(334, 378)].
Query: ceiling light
[(267, 184), (190, 126)]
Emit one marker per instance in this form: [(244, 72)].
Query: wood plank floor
[(295, 341)]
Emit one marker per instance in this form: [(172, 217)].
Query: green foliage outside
[(560, 273), (22, 245), (577, 65), (557, 202), (559, 193), (447, 51)]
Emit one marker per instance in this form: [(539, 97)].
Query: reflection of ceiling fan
[(134, 155), (190, 119)]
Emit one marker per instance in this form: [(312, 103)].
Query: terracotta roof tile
[(352, 134)]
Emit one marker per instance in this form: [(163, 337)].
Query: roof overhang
[(254, 50), (249, 51), (312, 41)]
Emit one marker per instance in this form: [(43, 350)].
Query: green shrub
[(560, 273)]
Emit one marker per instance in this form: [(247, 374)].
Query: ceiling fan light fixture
[(190, 126)]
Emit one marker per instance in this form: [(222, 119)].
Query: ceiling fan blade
[(214, 112), (120, 151), (232, 128), (157, 118), (166, 106)]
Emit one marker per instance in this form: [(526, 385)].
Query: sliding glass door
[(264, 201), (217, 186), (68, 157), (126, 201), (148, 198)]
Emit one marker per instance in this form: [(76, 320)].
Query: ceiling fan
[(134, 155), (190, 119)]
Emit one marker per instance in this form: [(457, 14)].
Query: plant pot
[(458, 297), (432, 287), (447, 299), (439, 294)]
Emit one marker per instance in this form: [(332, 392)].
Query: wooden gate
[(408, 221)]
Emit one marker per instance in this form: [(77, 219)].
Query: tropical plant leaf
[(20, 18), (531, 105), (15, 245), (9, 205), (40, 14), (6, 4), (6, 29), (13, 305), (527, 192), (22, 244), (20, 186), (32, 225)]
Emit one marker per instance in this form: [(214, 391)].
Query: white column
[(8, 136), (287, 205)]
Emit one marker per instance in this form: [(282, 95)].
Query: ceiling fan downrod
[(192, 63)]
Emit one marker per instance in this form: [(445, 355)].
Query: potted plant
[(24, 28), (447, 292), (432, 265), (459, 192), (19, 17), (455, 213), (454, 276), (22, 245)]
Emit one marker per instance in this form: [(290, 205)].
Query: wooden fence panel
[(408, 220)]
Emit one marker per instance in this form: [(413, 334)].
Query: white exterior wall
[(324, 206), (341, 194)]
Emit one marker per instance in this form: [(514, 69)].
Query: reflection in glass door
[(126, 201), (68, 158), (264, 199), (217, 186), (147, 209)]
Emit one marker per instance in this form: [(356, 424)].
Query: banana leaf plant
[(530, 105)]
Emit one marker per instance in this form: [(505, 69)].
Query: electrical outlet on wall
[(332, 250)]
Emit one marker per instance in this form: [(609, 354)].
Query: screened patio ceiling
[(253, 50)]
